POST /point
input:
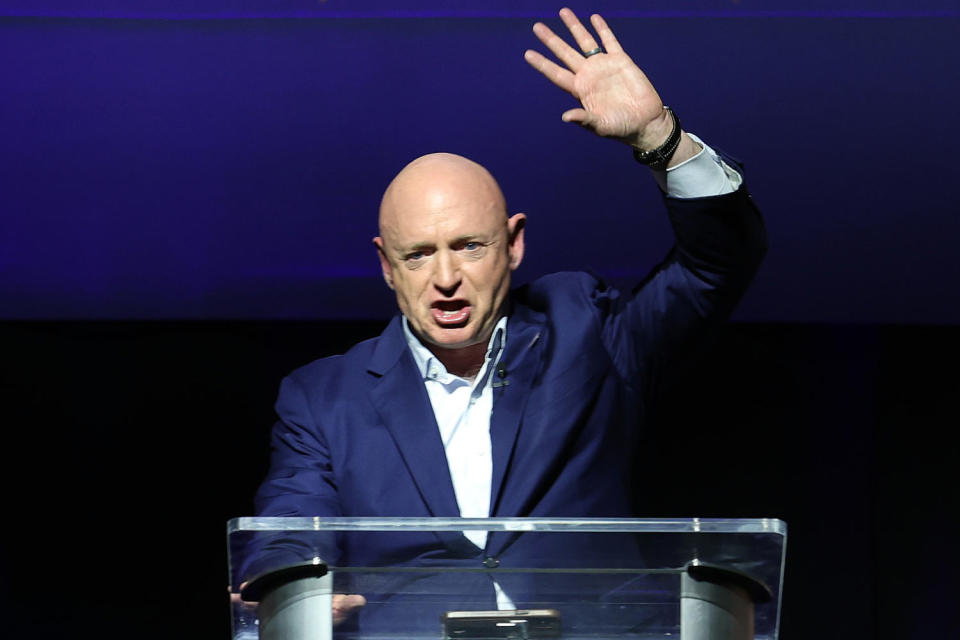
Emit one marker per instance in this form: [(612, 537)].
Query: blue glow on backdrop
[(228, 162)]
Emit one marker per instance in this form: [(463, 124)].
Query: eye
[(471, 246), (416, 258), (416, 255)]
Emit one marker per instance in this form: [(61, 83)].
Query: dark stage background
[(128, 445), (187, 194)]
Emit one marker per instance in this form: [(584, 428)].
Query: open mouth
[(450, 313)]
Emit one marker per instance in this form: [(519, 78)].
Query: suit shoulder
[(562, 290), (339, 366)]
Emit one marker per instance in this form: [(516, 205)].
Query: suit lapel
[(401, 400), (399, 396), (521, 360)]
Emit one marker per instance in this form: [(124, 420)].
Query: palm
[(616, 95), (616, 98)]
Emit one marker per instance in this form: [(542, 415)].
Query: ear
[(385, 265), (515, 227)]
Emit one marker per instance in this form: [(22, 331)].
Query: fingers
[(556, 74), (569, 56), (584, 40), (236, 600), (610, 42), (564, 52), (344, 605), (353, 601)]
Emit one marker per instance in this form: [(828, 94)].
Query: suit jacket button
[(490, 562)]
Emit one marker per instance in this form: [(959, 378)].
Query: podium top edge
[(773, 526)]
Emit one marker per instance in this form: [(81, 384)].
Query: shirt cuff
[(705, 174)]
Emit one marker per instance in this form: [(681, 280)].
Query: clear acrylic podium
[(507, 578)]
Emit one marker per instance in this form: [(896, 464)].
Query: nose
[(446, 275)]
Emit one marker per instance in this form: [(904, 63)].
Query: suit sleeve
[(653, 332), (300, 482)]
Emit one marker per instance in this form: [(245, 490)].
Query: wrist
[(655, 133), (688, 148), (659, 157)]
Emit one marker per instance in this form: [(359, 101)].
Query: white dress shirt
[(462, 408)]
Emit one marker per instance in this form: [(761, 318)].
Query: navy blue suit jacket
[(357, 435)]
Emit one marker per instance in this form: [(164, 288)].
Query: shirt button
[(490, 562)]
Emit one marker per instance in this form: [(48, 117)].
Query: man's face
[(447, 250)]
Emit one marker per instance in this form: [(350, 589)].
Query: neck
[(465, 362)]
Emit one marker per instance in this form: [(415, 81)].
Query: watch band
[(659, 157)]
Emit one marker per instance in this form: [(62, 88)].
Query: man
[(482, 401)]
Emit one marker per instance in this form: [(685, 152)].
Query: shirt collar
[(427, 362)]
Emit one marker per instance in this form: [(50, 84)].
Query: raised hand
[(617, 100)]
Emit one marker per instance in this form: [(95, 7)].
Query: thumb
[(344, 604), (577, 116)]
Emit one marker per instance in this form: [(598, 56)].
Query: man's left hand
[(617, 100)]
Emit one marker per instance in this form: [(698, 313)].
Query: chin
[(453, 338)]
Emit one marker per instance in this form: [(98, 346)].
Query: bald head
[(438, 182)]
